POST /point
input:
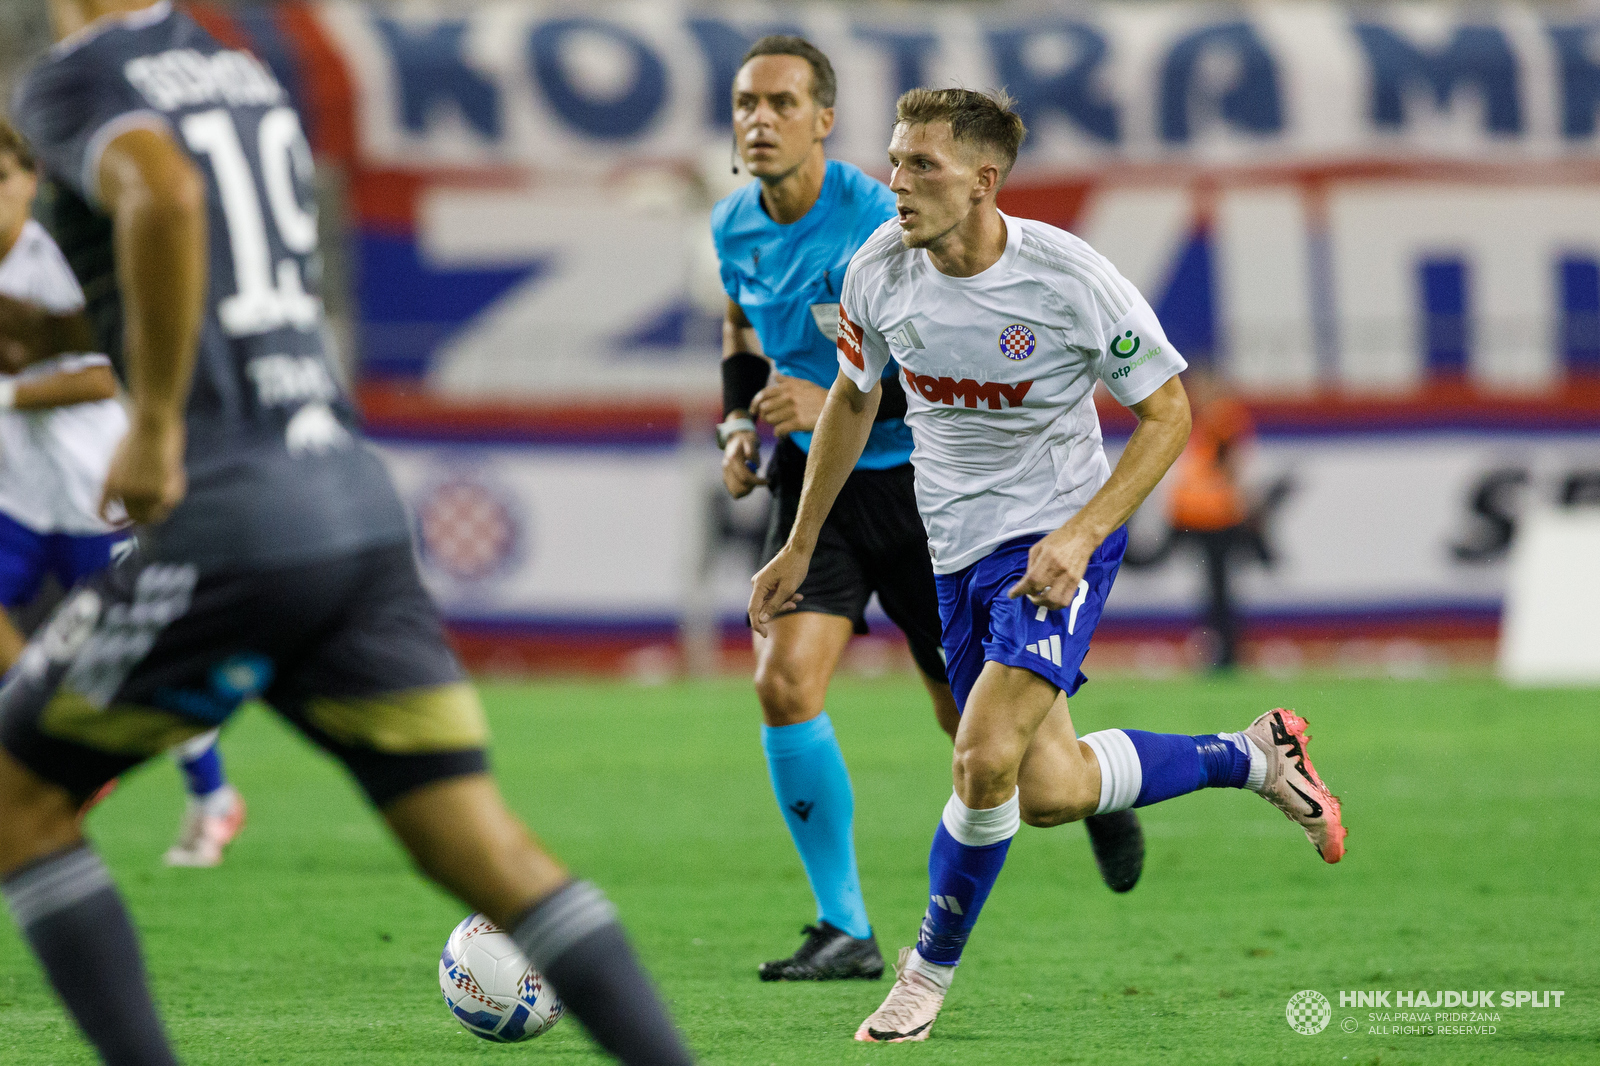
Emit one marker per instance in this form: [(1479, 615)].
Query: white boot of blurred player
[(208, 826), (214, 812)]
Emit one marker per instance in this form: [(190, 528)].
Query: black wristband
[(892, 404), (743, 375)]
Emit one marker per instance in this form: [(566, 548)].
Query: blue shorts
[(26, 557), (981, 624)]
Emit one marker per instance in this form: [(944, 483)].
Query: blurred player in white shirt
[(1001, 328), (60, 422)]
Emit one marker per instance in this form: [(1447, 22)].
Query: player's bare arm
[(29, 333), (840, 437), (64, 389), (1056, 563), (157, 202)]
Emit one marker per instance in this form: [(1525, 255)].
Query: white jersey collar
[(25, 236), (994, 270)]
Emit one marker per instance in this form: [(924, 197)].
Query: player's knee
[(786, 698), (984, 777)]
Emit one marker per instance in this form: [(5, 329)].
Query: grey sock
[(572, 937), (71, 914)]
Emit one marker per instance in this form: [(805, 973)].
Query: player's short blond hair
[(16, 145), (982, 120)]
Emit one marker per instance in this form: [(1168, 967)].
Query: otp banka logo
[(1126, 347)]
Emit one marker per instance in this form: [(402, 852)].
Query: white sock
[(978, 828), (191, 749), (939, 975), (220, 803), (1258, 761), (1121, 776)]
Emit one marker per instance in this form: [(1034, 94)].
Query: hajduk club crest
[(1016, 341)]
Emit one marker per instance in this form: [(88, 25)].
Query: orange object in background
[(1205, 494)]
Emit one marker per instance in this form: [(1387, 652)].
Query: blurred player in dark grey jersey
[(274, 558)]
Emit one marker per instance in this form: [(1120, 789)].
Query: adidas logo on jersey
[(906, 337), (948, 391), (1049, 648)]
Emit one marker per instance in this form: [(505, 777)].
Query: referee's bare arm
[(840, 437), (743, 449)]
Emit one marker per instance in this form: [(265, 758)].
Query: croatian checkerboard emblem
[(1016, 341), (1308, 1012), (468, 529)]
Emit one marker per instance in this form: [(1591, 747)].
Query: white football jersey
[(53, 461), (999, 371)]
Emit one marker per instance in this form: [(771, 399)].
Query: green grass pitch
[(1473, 855)]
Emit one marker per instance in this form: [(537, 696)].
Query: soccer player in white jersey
[(60, 422), (1001, 328), (784, 242)]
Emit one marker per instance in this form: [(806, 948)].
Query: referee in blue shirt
[(783, 243)]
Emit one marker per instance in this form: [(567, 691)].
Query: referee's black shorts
[(873, 541)]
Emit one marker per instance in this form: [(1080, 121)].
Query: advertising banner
[(1363, 530), (582, 86), (1380, 223), (1311, 195)]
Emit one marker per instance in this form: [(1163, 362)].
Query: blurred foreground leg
[(69, 911), (462, 836)]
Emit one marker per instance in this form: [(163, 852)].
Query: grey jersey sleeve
[(71, 106)]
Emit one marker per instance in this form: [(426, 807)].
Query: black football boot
[(1118, 845), (828, 954)]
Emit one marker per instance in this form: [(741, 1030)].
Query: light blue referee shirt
[(786, 279)]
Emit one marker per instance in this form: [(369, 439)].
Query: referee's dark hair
[(15, 145), (824, 86)]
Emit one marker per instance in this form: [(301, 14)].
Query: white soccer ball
[(490, 988)]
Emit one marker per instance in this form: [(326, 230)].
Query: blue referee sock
[(813, 789), (1138, 768), (969, 848)]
